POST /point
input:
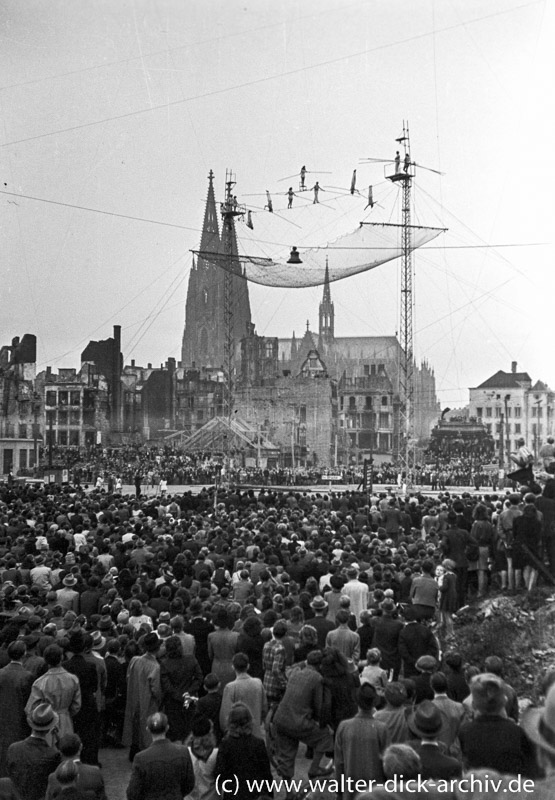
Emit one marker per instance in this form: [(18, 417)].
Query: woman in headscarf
[(242, 757)]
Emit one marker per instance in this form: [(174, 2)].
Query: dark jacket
[(242, 758), (435, 764), (161, 772), (30, 762), (416, 640), (90, 782), (493, 742), (454, 544), (386, 638)]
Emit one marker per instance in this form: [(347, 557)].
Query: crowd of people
[(213, 633), (153, 464)]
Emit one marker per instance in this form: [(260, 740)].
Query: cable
[(261, 241), (257, 81), (170, 50), (100, 211)]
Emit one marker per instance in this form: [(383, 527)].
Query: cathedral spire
[(326, 332), (327, 294), (205, 323), (210, 238)]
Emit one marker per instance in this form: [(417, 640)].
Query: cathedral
[(318, 398)]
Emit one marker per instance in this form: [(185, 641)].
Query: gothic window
[(203, 341)]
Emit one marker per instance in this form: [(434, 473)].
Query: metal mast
[(404, 173), (229, 210)]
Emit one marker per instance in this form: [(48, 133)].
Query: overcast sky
[(124, 107)]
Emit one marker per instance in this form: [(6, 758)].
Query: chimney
[(149, 366), (116, 380), (513, 367), (48, 372), (132, 362)]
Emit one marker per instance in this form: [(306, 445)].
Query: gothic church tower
[(326, 332), (204, 334)]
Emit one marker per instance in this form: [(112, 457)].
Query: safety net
[(296, 247)]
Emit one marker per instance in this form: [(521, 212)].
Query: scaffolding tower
[(230, 209), (404, 171)]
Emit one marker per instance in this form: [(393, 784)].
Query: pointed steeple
[(327, 294), (326, 332), (210, 238), (205, 324)]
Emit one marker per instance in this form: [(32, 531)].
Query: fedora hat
[(98, 640), (539, 723), (318, 604), (105, 623), (426, 719), (69, 580), (43, 717)]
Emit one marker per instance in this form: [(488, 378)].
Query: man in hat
[(67, 597), (360, 743), (163, 766), (57, 687), (41, 574), (426, 723), (144, 695), (320, 622), (15, 687), (492, 740), (425, 667), (31, 761)]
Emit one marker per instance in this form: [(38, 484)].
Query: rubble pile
[(520, 628)]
